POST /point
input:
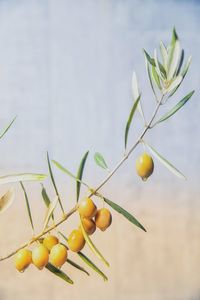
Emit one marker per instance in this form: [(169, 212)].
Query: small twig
[(125, 157), (36, 238)]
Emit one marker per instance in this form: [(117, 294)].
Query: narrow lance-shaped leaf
[(66, 171), (125, 213), (6, 200), (136, 93), (59, 273), (180, 62), (100, 161), (176, 108), (7, 128), (175, 60), (130, 118), (53, 182), (80, 174), (186, 67), (21, 177), (175, 83), (165, 162), (157, 67), (92, 246), (46, 198), (150, 76), (183, 74), (92, 265), (148, 57), (174, 55), (75, 265), (164, 54), (87, 261), (156, 78), (154, 63), (27, 205), (49, 212)]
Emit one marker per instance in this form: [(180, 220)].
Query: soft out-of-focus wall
[(65, 71)]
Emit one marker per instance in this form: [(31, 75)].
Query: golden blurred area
[(160, 264)]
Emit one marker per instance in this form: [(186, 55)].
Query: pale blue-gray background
[(65, 70)]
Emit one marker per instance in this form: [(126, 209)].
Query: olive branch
[(165, 73)]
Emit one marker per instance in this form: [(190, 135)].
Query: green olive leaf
[(130, 118), (63, 236), (27, 205), (186, 67), (100, 161), (92, 246), (125, 213), (149, 58), (158, 67), (53, 182), (92, 265), (58, 273), (49, 212), (66, 171), (6, 200), (80, 174), (156, 78), (87, 260), (156, 63), (164, 54), (21, 177), (7, 128), (180, 62), (174, 55), (175, 83), (136, 94), (165, 162), (150, 76), (46, 198), (175, 108), (183, 74), (75, 265)]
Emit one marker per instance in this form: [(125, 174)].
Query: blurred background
[(65, 71)]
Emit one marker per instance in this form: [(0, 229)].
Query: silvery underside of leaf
[(50, 211), (136, 93), (165, 162), (6, 200)]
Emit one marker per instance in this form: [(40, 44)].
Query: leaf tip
[(174, 34), (143, 229)]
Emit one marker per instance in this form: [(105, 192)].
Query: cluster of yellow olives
[(51, 250)]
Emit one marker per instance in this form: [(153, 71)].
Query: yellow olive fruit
[(89, 225), (50, 241), (87, 208), (103, 219), (144, 166), (58, 255), (23, 259), (76, 240), (40, 256)]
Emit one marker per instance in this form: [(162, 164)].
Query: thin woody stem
[(93, 192), (36, 238), (126, 156)]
